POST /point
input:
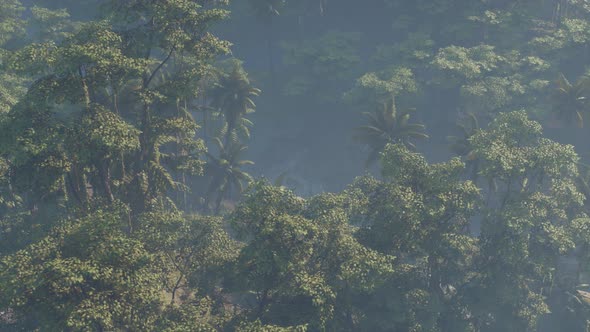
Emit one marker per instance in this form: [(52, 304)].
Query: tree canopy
[(135, 137)]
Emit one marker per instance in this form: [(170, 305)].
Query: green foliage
[(11, 90), (225, 172), (376, 88), (303, 258), (232, 96), (420, 214), (571, 99), (525, 227), (467, 63), (194, 317), (388, 125), (106, 133), (192, 252), (328, 58), (102, 167), (86, 274), (12, 23), (257, 326)]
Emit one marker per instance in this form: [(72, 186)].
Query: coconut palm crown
[(571, 101), (233, 97), (388, 125), (225, 172)]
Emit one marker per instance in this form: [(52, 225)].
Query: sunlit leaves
[(467, 63), (85, 273), (512, 146), (11, 23), (379, 87), (106, 132)]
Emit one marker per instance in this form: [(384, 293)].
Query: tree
[(225, 172), (301, 260), (85, 274), (529, 213), (192, 254), (461, 146), (570, 100), (388, 125), (375, 88), (84, 144), (420, 214), (232, 97), (12, 86)]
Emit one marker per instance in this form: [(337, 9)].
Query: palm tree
[(578, 304), (571, 100), (232, 97), (225, 172), (387, 125), (461, 145)]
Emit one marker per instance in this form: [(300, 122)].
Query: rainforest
[(295, 165)]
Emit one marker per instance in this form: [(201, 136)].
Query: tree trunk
[(79, 184), (105, 177), (230, 128), (85, 89), (218, 202)]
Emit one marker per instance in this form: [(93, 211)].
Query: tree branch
[(147, 82)]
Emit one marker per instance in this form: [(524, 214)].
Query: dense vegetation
[(128, 203)]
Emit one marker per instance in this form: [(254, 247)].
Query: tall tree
[(225, 172), (302, 261), (526, 227), (420, 214), (144, 54), (233, 97)]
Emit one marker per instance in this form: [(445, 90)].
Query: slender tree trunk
[(176, 287), (74, 189), (129, 223), (146, 121), (144, 136), (218, 202), (105, 176), (213, 186), (79, 184), (85, 88), (116, 102), (182, 153), (205, 114), (230, 128), (262, 303)]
